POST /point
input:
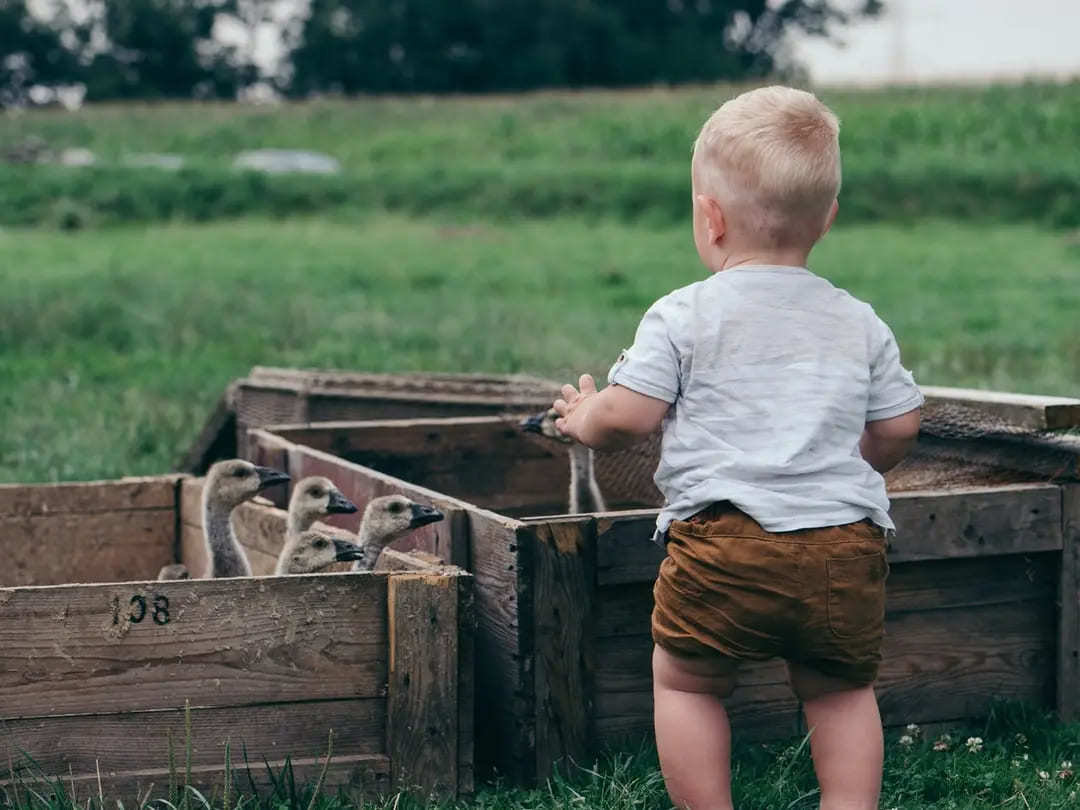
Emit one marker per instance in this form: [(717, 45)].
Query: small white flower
[(1066, 764), (914, 730), (1025, 757), (974, 744), (907, 741), (1044, 775), (1021, 739)]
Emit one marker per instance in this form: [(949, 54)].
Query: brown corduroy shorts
[(815, 597)]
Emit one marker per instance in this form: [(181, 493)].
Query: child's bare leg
[(693, 736), (846, 743)]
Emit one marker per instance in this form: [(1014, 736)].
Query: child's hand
[(571, 421)]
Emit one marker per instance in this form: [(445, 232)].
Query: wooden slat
[(1022, 411), (1015, 519), (91, 547), (625, 551), (422, 728), (1068, 663), (466, 675), (90, 497), (948, 664), (563, 566), (227, 642), (136, 741), (367, 775)]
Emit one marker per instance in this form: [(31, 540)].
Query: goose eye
[(395, 507), (315, 493), (241, 472), (320, 544)]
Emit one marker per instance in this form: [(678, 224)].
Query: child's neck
[(783, 257)]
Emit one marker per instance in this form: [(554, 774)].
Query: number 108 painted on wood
[(139, 607)]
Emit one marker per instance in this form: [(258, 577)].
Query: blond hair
[(771, 157)]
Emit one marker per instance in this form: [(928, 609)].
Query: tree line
[(147, 49)]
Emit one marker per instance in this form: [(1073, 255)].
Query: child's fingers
[(569, 393), (587, 384), (560, 425), (561, 407)]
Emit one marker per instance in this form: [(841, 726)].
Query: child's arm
[(886, 442), (610, 419)]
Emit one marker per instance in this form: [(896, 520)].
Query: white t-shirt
[(772, 373)]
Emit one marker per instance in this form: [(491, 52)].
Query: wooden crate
[(271, 395), (98, 665), (982, 598)]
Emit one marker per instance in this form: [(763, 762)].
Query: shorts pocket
[(856, 594)]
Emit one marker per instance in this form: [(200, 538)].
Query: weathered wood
[(466, 685), (421, 724), (91, 497), (227, 642), (69, 547), (366, 774), (1014, 519), (956, 663), (563, 559), (1020, 411), (414, 561), (1068, 663), (625, 551), (79, 743)]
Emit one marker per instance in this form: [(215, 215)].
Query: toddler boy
[(782, 400)]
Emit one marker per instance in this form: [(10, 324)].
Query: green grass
[(1004, 153), (1019, 745), (114, 344)]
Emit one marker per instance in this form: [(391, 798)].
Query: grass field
[(1017, 759), (114, 344)]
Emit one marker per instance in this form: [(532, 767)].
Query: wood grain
[(421, 725), (563, 558), (1021, 411), (123, 494), (1068, 663), (71, 547), (466, 675), (948, 664), (625, 551), (136, 741), (367, 775), (228, 642)]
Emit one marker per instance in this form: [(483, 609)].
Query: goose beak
[(269, 477), (532, 424), (339, 504), (347, 551), (423, 515)]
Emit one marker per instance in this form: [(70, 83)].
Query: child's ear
[(714, 218), (832, 216)]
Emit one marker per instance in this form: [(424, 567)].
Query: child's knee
[(715, 675)]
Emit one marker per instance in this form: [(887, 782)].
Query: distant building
[(939, 41)]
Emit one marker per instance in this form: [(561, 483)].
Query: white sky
[(957, 40)]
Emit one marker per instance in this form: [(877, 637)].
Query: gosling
[(385, 520), (229, 484), (173, 572), (312, 498), (585, 494), (311, 551)]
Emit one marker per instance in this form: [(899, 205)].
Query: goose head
[(314, 497), (230, 483), (314, 551), (392, 516), (171, 572), (544, 424)]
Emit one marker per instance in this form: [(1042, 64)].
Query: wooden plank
[(136, 741), (71, 547), (564, 571), (625, 551), (1068, 663), (1014, 519), (367, 775), (466, 675), (947, 664), (90, 497), (1022, 411), (421, 725), (227, 642)]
